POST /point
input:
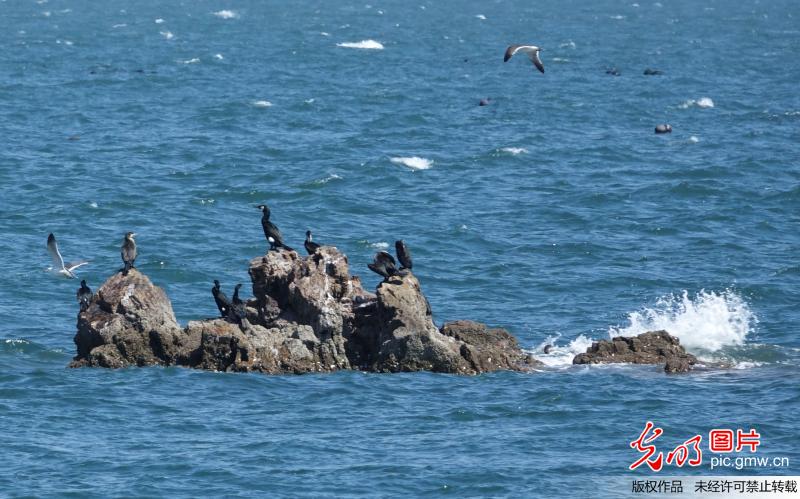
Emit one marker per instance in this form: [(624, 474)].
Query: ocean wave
[(702, 102), (193, 60), (514, 150), (413, 162), (561, 356), (705, 322), (363, 44), (226, 14), (262, 103), (327, 179)]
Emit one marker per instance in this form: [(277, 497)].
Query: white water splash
[(262, 103), (327, 179), (193, 60), (167, 34), (158, 21), (702, 102), (226, 14), (481, 17), (381, 245), (413, 162), (514, 150), (218, 57), (363, 44), (707, 321), (561, 356), (693, 139)]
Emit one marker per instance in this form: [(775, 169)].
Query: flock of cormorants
[(234, 309)]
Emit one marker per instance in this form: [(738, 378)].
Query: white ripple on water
[(262, 103), (158, 21), (363, 44), (481, 17), (514, 150), (226, 14), (167, 34), (193, 60), (323, 181), (561, 356), (702, 102), (413, 162), (218, 57)]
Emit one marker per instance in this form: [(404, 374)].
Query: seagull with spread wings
[(531, 50), (58, 261)]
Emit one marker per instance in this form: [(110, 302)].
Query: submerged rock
[(307, 315), (653, 347)]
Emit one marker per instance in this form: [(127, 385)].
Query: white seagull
[(58, 262), (531, 50)]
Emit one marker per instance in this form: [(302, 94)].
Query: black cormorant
[(271, 231), (237, 311), (310, 245), (223, 303), (403, 254), (383, 264), (84, 295), (128, 252)]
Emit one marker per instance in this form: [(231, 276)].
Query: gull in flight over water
[(531, 50), (58, 262)]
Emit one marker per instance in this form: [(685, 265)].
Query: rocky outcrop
[(308, 314), (129, 321), (653, 347)]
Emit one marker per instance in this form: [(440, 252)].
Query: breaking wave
[(363, 44), (413, 162), (703, 102), (707, 321), (226, 14)]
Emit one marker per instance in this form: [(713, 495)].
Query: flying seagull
[(58, 262), (531, 50)]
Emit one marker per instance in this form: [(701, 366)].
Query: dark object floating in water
[(613, 72), (484, 102), (84, 295), (548, 348), (664, 128), (652, 72)]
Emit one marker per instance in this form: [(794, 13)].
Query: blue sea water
[(554, 212)]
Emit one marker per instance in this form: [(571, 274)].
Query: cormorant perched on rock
[(271, 231), (237, 311), (84, 295), (310, 245), (128, 252), (223, 303), (403, 254), (383, 264)]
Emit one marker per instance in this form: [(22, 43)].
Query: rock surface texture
[(308, 314), (653, 347)]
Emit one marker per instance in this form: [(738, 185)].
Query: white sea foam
[(381, 245), (707, 321), (193, 60), (561, 356), (327, 179), (159, 21), (481, 17), (167, 34), (262, 103), (693, 139), (413, 162), (218, 57), (569, 44), (363, 44), (122, 25), (93, 204), (226, 14), (324, 33), (514, 150), (703, 102), (617, 17)]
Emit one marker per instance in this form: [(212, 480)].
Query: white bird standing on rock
[(58, 261), (531, 50)]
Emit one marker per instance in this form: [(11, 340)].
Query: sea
[(554, 211)]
